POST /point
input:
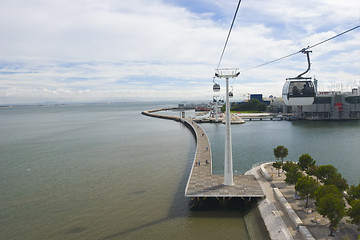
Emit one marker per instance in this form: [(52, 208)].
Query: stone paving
[(202, 183)]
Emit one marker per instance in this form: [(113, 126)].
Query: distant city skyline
[(96, 51)]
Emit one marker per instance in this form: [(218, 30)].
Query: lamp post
[(228, 162)]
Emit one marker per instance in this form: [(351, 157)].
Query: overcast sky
[(114, 50)]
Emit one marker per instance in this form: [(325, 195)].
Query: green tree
[(288, 164), (292, 175), (332, 207), (329, 175), (354, 212), (306, 161), (326, 172), (312, 171), (324, 190), (339, 182), (306, 186), (280, 152), (354, 192), (253, 103), (277, 165), (261, 107)]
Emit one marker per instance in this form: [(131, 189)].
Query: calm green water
[(107, 172), (100, 172)]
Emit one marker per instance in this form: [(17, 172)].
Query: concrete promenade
[(202, 183)]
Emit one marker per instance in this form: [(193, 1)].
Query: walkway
[(202, 183)]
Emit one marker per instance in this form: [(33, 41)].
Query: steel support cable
[(302, 50), (227, 39)]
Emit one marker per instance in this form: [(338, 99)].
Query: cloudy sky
[(115, 50)]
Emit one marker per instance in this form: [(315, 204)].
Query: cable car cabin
[(231, 94), (298, 92), (216, 87)]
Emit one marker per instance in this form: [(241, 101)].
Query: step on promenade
[(202, 183)]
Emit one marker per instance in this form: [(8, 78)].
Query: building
[(331, 106), (260, 98)]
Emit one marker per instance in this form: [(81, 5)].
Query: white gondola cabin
[(298, 92)]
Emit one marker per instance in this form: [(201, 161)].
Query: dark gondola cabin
[(216, 87)]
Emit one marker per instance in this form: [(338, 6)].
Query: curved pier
[(202, 183)]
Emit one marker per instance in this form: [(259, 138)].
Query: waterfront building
[(330, 106)]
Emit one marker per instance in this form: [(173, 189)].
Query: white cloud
[(91, 50)]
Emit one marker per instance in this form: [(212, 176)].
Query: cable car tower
[(299, 90), (228, 162)]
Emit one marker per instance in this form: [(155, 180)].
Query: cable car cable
[(334, 37), (302, 50), (227, 39)]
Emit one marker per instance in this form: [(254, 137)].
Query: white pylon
[(228, 162)]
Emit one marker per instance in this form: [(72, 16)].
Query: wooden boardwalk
[(202, 183)]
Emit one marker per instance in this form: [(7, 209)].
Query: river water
[(104, 171)]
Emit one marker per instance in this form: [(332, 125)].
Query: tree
[(292, 175), (326, 172), (329, 175), (280, 152), (354, 212), (277, 165), (339, 182), (306, 186), (306, 161), (261, 107), (354, 192), (325, 190), (331, 207), (253, 103), (286, 167), (312, 171)]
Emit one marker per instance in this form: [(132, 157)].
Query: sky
[(62, 51)]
